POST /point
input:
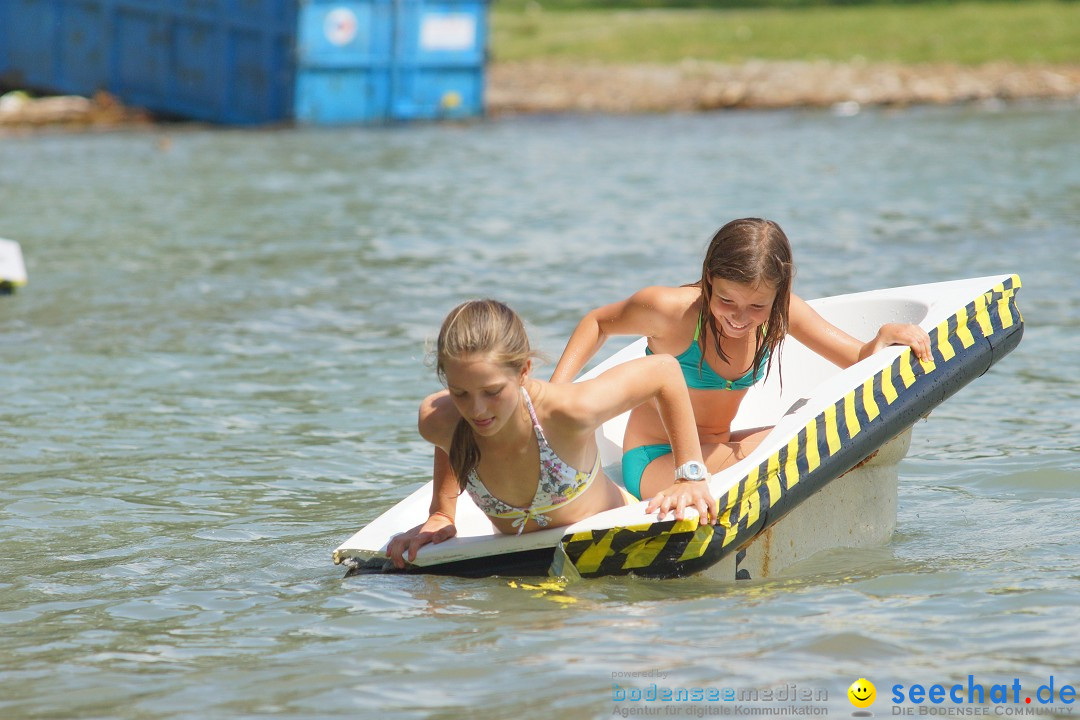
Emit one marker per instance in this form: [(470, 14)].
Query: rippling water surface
[(212, 378)]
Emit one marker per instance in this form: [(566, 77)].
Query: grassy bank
[(967, 33)]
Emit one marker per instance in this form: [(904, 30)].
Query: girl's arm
[(440, 523), (646, 312), (656, 378), (446, 489), (836, 346)]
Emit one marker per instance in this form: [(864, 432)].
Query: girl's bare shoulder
[(667, 300), (668, 307), (562, 407), (437, 418), (671, 310)]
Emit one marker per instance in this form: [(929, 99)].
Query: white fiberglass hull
[(836, 440)]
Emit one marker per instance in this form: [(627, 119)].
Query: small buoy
[(12, 268)]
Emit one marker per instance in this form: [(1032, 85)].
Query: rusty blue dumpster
[(255, 61)]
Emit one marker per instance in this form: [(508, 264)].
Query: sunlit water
[(212, 380)]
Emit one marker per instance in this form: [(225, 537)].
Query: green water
[(212, 380)]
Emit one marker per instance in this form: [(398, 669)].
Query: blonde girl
[(524, 449)]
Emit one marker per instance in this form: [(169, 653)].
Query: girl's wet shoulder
[(437, 416)]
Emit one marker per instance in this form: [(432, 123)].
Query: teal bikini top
[(700, 376)]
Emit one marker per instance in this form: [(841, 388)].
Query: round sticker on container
[(340, 26)]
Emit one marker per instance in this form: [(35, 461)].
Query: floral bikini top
[(559, 484)]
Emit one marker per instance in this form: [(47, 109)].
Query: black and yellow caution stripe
[(829, 445)]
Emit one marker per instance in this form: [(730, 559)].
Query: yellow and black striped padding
[(837, 439)]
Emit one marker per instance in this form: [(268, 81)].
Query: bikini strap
[(532, 414)]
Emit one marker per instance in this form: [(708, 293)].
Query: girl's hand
[(900, 334), (683, 495), (435, 530)]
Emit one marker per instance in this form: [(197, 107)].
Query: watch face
[(692, 470)]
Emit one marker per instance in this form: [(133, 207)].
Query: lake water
[(212, 380)]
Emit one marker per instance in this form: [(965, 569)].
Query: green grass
[(1040, 31)]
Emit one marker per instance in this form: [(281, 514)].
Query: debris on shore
[(20, 109)]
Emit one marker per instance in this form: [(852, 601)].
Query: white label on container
[(340, 26), (447, 32)]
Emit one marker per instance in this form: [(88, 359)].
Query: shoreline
[(695, 86), (551, 87)]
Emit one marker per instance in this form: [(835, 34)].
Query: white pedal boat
[(824, 477)]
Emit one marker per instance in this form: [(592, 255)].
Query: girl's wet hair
[(478, 327), (750, 251)]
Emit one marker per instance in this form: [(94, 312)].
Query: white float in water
[(12, 268)]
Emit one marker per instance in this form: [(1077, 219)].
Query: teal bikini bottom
[(634, 462)]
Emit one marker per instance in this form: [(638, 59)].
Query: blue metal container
[(255, 61)]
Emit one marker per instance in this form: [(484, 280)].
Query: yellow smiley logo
[(862, 693)]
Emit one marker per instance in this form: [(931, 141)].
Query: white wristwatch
[(691, 471)]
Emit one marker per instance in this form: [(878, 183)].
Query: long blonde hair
[(478, 327)]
